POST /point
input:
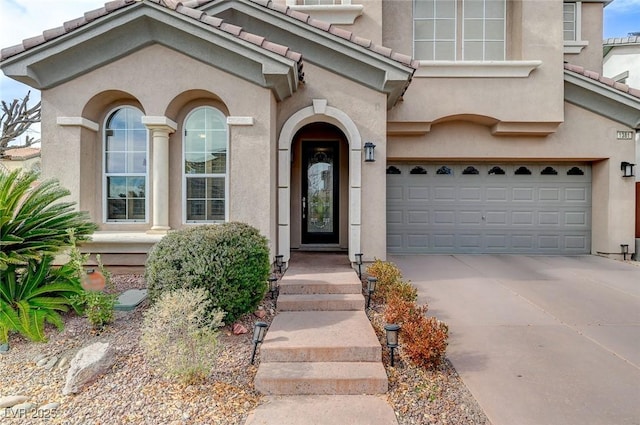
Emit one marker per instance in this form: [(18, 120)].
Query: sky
[(20, 19)]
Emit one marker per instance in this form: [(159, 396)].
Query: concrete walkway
[(539, 340), (321, 362)]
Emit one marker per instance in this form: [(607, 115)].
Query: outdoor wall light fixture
[(392, 337), (371, 288), (359, 263), (627, 169), (274, 289), (280, 263), (369, 152), (259, 331), (625, 250)]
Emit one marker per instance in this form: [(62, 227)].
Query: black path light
[(359, 263), (259, 331), (280, 263), (371, 288), (392, 337), (274, 289), (625, 250)]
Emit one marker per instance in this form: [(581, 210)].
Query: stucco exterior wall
[(583, 137), (591, 30), (624, 58), (367, 109), (75, 154), (536, 35)]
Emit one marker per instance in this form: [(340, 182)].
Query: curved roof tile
[(602, 79)]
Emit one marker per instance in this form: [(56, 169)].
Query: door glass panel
[(320, 192)]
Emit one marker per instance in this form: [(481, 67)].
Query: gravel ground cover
[(133, 393)]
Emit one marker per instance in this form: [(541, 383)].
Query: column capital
[(159, 123)]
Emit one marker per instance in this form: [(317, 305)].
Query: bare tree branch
[(15, 120)]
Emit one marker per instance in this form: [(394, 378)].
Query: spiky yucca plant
[(34, 226)]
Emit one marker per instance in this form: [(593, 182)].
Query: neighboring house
[(622, 59), (160, 115), (25, 158)]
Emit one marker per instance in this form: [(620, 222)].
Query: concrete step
[(319, 302), (339, 282), (323, 410), (321, 336), (321, 378)]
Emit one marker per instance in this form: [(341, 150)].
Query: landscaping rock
[(50, 406), (43, 361), (260, 314), (4, 348), (51, 363), (22, 408), (63, 362), (90, 362), (12, 400), (239, 329)]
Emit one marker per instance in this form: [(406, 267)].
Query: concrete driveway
[(539, 340)]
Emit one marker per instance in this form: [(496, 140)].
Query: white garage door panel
[(493, 213)]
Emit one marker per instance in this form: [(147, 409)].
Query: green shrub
[(390, 282), (35, 295), (230, 261), (179, 335)]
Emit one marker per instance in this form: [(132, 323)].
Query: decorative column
[(160, 128)]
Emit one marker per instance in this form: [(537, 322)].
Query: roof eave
[(143, 24), (601, 99)]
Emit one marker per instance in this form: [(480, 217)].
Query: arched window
[(125, 166), (205, 166)]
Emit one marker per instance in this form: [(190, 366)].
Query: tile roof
[(602, 79), (188, 8), (19, 154), (182, 8), (621, 40)]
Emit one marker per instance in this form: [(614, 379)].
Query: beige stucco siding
[(367, 109), (163, 83)]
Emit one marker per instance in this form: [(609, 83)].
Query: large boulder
[(88, 365)]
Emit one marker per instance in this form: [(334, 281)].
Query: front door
[(320, 194)]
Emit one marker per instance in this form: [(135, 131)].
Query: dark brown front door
[(320, 194)]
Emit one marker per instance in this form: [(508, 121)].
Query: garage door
[(489, 208)]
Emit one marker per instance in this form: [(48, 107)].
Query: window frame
[(185, 176), (576, 45), (459, 38), (106, 175)]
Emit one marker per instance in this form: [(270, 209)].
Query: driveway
[(539, 340)]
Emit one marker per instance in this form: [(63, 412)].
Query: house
[(416, 126), (27, 158)]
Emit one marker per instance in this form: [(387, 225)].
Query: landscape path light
[(359, 263), (259, 331), (274, 289), (371, 288), (392, 337)]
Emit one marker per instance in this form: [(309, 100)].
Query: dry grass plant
[(180, 336)]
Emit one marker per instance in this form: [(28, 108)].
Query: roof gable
[(602, 95), (325, 45), (124, 26)]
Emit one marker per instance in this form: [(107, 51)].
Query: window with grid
[(205, 166), (569, 21), (466, 30), (125, 166)]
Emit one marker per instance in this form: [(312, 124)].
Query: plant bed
[(132, 392)]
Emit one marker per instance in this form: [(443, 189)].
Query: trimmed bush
[(179, 335), (230, 261), (424, 340), (390, 282)]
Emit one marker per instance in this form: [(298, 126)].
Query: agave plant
[(34, 226)]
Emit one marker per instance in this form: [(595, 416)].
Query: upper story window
[(205, 166), (125, 166), (569, 21), (571, 27), (463, 30)]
